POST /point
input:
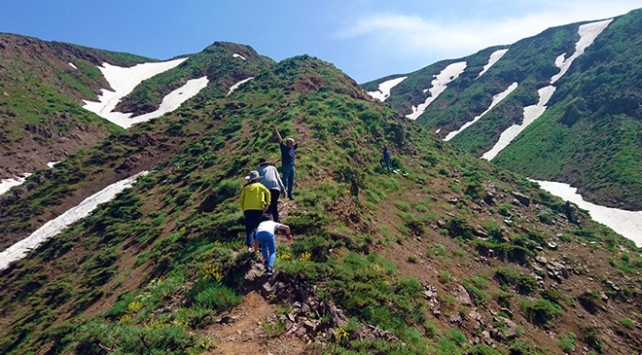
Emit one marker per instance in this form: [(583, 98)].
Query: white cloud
[(448, 37)]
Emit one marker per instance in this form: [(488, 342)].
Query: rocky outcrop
[(309, 317)]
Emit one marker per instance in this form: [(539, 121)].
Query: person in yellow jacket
[(255, 199)]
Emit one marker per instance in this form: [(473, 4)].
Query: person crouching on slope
[(255, 199), (272, 181), (265, 237)]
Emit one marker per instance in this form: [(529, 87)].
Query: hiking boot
[(269, 271)]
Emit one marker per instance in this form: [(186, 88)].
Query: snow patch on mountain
[(235, 86), (531, 113), (383, 91), (7, 184), (626, 223), (494, 57), (236, 55), (174, 99), (123, 81), (439, 84), (496, 99), (588, 33), (20, 249)]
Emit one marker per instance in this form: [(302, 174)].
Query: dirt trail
[(245, 335)]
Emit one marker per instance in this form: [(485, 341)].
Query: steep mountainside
[(578, 81), (447, 255), (42, 85), (223, 63)]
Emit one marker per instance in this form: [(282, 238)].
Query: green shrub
[(541, 312), (158, 220), (142, 258), (590, 300), (627, 323), (526, 284), (567, 342), (545, 218), (211, 294), (167, 339), (430, 329), (592, 339), (457, 336), (444, 276)]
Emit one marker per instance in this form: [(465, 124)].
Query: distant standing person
[(288, 149), (255, 199), (385, 159), (272, 181), (265, 237)]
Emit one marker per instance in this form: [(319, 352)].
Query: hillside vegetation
[(448, 255), (41, 93), (589, 135), (223, 63)]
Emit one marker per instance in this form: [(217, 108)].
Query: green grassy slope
[(217, 62), (41, 115), (150, 273), (591, 136)]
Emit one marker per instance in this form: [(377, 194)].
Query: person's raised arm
[(278, 136), (287, 231)]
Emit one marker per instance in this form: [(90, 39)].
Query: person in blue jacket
[(385, 159), (288, 150)]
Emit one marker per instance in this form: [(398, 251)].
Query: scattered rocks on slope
[(430, 292), (523, 199), (461, 295), (309, 317)]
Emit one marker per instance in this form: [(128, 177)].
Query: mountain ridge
[(449, 254), (531, 63)]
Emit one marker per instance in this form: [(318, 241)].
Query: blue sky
[(367, 39)]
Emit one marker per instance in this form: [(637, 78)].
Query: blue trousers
[(252, 220), (288, 178), (385, 163), (268, 246)]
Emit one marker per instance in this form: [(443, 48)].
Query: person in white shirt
[(265, 237)]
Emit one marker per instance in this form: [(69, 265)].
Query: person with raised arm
[(288, 150)]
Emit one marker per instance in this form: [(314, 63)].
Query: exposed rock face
[(571, 213), (491, 193), (286, 289), (523, 199), (430, 292), (461, 295)]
